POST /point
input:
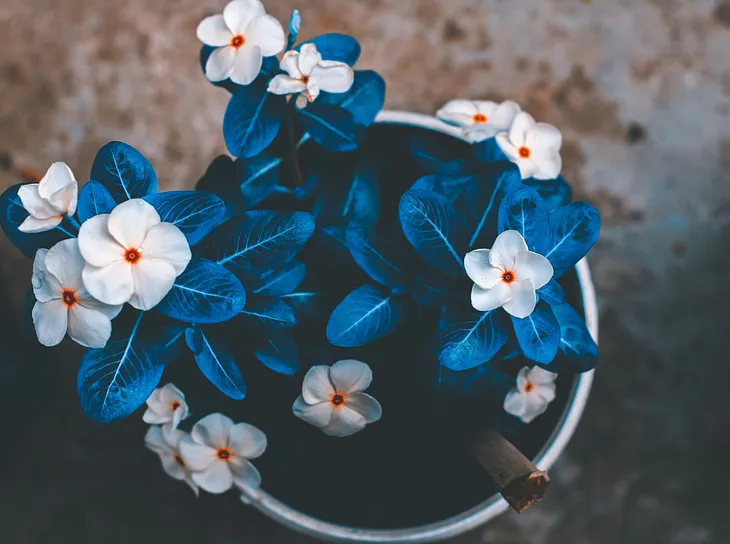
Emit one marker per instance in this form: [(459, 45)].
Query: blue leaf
[(363, 316), (220, 179), (373, 253), (257, 178), (252, 120), (280, 281), (524, 211), (267, 313), (555, 193), (364, 100), (578, 352), (434, 229), (194, 339), (332, 127), (94, 199), (307, 305), (216, 363), (115, 380), (430, 289), (295, 24), (538, 334), (258, 240), (12, 215), (471, 338), (552, 293), (352, 201), (278, 350), (488, 151), (338, 47), (575, 229), (205, 292), (428, 182), (433, 150), (124, 172), (195, 213), (171, 338), (227, 84)]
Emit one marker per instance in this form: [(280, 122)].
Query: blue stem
[(75, 224)]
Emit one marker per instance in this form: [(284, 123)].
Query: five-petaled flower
[(49, 200), (166, 405), (535, 390), (243, 35), (480, 119), (332, 398), (309, 74), (165, 442), (534, 147), (508, 275), (63, 304), (131, 256), (218, 452)]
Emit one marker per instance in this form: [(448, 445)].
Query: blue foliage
[(338, 47), (488, 151), (267, 314), (12, 214), (257, 178), (307, 304), (295, 24), (363, 316), (575, 229), (205, 292), (94, 199), (578, 351), (364, 100), (280, 281), (556, 192), (195, 213), (538, 334), (115, 380), (430, 289), (220, 179), (375, 255), (351, 201), (216, 362), (434, 229), (471, 338), (252, 119), (552, 293), (524, 211), (259, 240), (332, 127), (278, 350), (124, 172)]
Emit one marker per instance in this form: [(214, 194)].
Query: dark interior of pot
[(411, 468)]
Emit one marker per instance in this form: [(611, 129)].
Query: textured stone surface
[(641, 90)]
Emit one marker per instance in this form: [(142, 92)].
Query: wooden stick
[(520, 482)]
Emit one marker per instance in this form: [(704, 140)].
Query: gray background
[(641, 91)]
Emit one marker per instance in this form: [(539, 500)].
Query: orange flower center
[(224, 454), (69, 297), (338, 400), (238, 41), (480, 118), (508, 277), (305, 79), (179, 460), (175, 405), (524, 152), (133, 255), (529, 387)]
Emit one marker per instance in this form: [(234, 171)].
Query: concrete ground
[(641, 91)]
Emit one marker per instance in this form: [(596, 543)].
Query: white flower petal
[(523, 299), (345, 422), (130, 222), (290, 64), (546, 165), (480, 270), (213, 430), (515, 403), (33, 225), (85, 299), (366, 406), (220, 63), (268, 34), (112, 284), (35, 204), (505, 249), (485, 300), (50, 320), (523, 378), (520, 126), (155, 441), (283, 84), (458, 112), (350, 376), (541, 376), (153, 279), (309, 57), (172, 467), (246, 64), (506, 146), (45, 286), (97, 246), (66, 199), (58, 177), (319, 415), (89, 328), (312, 91), (151, 417), (167, 242), (317, 386), (544, 137), (245, 474), (214, 31), (486, 107), (480, 131), (533, 266), (504, 115), (534, 406), (528, 167), (546, 392), (217, 478), (239, 14), (65, 262), (336, 78), (197, 456), (247, 441)]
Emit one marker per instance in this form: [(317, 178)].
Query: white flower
[(507, 275), (218, 452), (131, 256), (49, 200), (309, 74), (534, 147), (332, 398), (63, 304), (165, 442), (244, 34), (535, 390), (481, 119), (166, 405)]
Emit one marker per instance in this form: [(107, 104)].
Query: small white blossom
[(166, 405), (309, 74), (508, 275), (332, 398), (131, 256), (535, 390), (49, 200), (534, 147), (218, 452), (63, 305), (480, 119), (165, 442), (243, 35)]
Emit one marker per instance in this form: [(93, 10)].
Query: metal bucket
[(492, 507)]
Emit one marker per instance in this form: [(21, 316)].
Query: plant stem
[(73, 222), (292, 158)]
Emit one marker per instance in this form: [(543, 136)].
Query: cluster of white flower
[(535, 390), (215, 456), (80, 285), (533, 147)]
